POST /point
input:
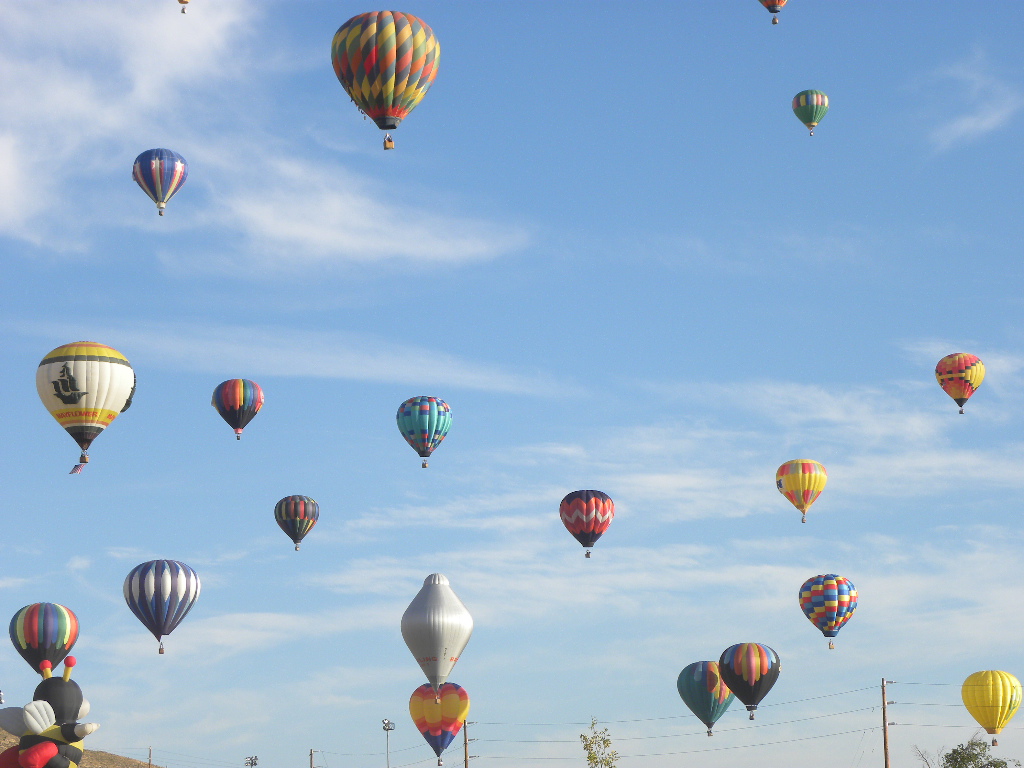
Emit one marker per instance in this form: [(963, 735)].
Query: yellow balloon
[(801, 481), (992, 697)]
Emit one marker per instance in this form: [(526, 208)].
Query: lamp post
[(388, 728)]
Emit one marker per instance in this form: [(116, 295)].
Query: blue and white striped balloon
[(160, 593)]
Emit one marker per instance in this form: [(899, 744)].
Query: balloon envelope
[(810, 107), (160, 173), (801, 481), (296, 516), (237, 401), (702, 689), (829, 601), (423, 422), (750, 670), (436, 626), (84, 386), (386, 61), (959, 375), (587, 515), (992, 697), (161, 593), (44, 632), (439, 722)]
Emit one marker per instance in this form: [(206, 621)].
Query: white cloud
[(989, 102)]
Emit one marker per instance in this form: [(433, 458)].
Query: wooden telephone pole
[(885, 725)]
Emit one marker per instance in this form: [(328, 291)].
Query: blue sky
[(607, 243)]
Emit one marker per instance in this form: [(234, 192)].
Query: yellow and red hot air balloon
[(992, 697), (386, 61), (959, 375), (801, 481), (84, 386), (439, 717)]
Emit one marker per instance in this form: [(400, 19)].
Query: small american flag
[(77, 469)]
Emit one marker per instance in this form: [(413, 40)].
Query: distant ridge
[(93, 758)]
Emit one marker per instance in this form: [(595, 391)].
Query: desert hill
[(92, 759)]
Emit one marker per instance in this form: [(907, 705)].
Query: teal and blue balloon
[(423, 422), (702, 689)]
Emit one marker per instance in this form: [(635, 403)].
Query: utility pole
[(465, 742), (150, 757), (885, 725), (310, 758)]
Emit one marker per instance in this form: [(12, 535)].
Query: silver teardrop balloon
[(436, 626)]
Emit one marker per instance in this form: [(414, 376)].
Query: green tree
[(598, 746), (973, 754)]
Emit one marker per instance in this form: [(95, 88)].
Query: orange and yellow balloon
[(992, 697), (439, 717), (959, 375), (801, 481)]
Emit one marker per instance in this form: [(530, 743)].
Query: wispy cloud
[(268, 351), (988, 102)]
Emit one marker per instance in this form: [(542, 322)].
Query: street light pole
[(388, 728)]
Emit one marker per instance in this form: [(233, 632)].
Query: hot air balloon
[(84, 386), (773, 6), (439, 720), (296, 515), (810, 107), (701, 688), (801, 481), (959, 375), (587, 515), (386, 61), (44, 632), (992, 698), (237, 401), (829, 601), (749, 670), (436, 626), (423, 422), (160, 594), (160, 173)]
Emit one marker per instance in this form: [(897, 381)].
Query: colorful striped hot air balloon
[(959, 375), (810, 107), (386, 61), (439, 717), (237, 401), (992, 697), (829, 601), (160, 173), (773, 6), (701, 688), (423, 422), (44, 632), (750, 670), (161, 593), (84, 386), (587, 515), (801, 481), (296, 515)]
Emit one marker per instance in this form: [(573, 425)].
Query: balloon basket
[(995, 742), (161, 649), (587, 554), (775, 19), (710, 733), (84, 458), (961, 410), (424, 465), (389, 143)]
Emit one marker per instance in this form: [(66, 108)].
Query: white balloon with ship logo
[(436, 626)]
